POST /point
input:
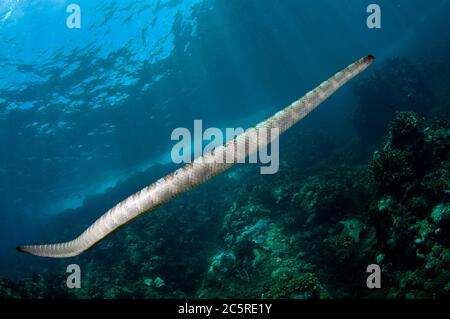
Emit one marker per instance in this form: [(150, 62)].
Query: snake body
[(194, 174)]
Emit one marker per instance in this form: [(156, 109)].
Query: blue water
[(81, 110)]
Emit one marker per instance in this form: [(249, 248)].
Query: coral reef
[(291, 235), (308, 231), (410, 209)]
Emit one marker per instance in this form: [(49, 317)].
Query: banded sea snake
[(194, 174)]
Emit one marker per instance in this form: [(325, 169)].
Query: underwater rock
[(148, 282), (255, 233), (302, 286), (222, 263), (324, 198), (352, 229), (350, 242), (391, 168), (386, 204), (405, 128), (159, 282), (441, 214)]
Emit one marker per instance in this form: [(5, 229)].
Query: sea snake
[(194, 174)]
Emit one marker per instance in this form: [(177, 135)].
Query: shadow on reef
[(308, 231)]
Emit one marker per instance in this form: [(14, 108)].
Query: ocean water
[(86, 117)]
